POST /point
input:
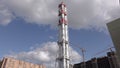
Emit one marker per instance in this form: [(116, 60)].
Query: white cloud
[(45, 54), (51, 37), (5, 15), (85, 14)]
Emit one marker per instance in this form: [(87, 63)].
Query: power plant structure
[(63, 41), (109, 61)]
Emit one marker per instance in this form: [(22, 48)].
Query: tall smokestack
[(63, 42)]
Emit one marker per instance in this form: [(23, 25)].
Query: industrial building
[(109, 61), (13, 63), (114, 29)]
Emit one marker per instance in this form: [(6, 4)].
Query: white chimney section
[(63, 42)]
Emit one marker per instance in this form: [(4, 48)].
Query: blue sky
[(20, 36)]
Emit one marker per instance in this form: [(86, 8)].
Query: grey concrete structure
[(112, 58), (114, 29), (94, 63)]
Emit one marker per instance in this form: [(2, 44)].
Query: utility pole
[(83, 55)]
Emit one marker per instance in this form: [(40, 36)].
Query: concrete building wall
[(89, 64), (104, 62), (108, 61), (113, 60), (114, 29), (13, 63)]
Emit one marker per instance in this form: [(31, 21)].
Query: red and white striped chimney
[(63, 41)]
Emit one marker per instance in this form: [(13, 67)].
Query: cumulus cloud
[(92, 13), (5, 15), (46, 54), (85, 14)]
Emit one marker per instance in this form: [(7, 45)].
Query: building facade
[(109, 61), (13, 63), (114, 29)]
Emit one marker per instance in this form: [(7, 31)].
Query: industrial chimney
[(63, 42)]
